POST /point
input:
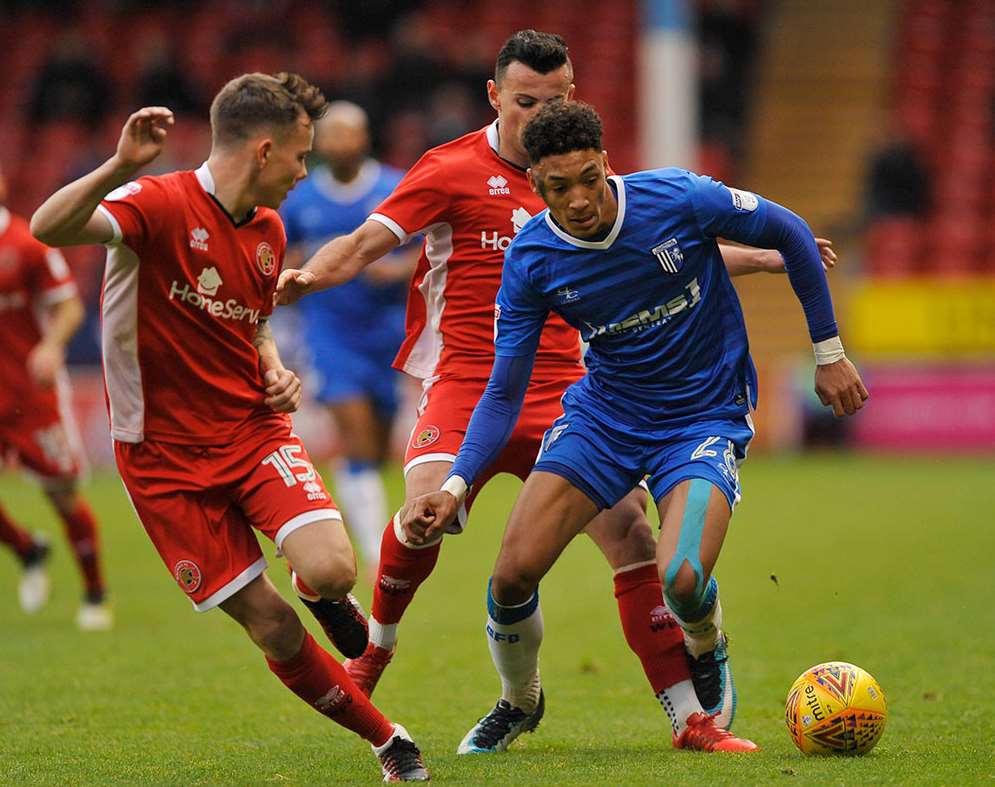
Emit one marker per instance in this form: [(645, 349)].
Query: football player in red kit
[(197, 393), (40, 311)]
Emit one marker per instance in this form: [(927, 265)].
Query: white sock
[(514, 646), (382, 635), (701, 636), (361, 494), (680, 701)]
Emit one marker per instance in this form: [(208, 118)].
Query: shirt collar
[(205, 178)]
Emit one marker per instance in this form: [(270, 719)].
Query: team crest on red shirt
[(266, 258), (425, 437), (187, 574)]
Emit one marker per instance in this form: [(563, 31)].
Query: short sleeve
[(519, 314), (134, 210), (52, 279), (420, 200), (721, 211)]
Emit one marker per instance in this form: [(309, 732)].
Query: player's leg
[(80, 526), (32, 551), (443, 413), (402, 569), (625, 537), (694, 518), (549, 512), (312, 674), (323, 572), (696, 485), (358, 483)]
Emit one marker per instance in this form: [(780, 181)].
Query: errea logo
[(498, 185), (198, 238)]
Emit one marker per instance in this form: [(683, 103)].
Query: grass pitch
[(884, 562)]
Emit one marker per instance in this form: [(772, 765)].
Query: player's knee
[(683, 588), (329, 575), (62, 495), (512, 585)]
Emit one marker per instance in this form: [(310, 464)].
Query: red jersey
[(32, 276), (184, 290), (469, 203)]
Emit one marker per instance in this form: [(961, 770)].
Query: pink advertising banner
[(928, 408)]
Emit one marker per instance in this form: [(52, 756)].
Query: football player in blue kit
[(353, 331), (632, 263)]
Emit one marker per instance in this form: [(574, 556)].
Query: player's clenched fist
[(425, 517), (143, 136), (840, 387), (283, 390), (292, 285)]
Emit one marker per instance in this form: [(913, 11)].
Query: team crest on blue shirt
[(670, 256), (567, 295)]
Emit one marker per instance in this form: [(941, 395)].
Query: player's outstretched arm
[(283, 387), (742, 260), (335, 263), (69, 217)]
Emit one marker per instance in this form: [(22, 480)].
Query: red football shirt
[(469, 203), (184, 290), (32, 276)]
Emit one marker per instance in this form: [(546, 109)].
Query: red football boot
[(366, 670), (701, 734)]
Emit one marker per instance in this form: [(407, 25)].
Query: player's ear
[(570, 91), (263, 151), (492, 95), (604, 161), (533, 183)]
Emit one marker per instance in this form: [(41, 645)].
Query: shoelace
[(701, 732), (402, 757), (706, 670), (496, 724)]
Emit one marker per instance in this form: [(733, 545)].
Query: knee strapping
[(689, 547)]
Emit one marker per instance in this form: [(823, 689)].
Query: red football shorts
[(199, 505), (444, 414), (44, 443)]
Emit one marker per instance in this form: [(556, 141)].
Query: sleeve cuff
[(115, 227), (392, 225)]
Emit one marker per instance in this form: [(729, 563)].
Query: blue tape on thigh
[(689, 543)]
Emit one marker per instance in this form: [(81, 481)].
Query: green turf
[(884, 562)]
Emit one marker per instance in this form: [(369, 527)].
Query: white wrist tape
[(457, 487), (828, 351)]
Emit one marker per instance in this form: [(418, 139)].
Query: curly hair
[(562, 127), (542, 52), (252, 101)]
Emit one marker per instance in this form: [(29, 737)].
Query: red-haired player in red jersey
[(198, 396), (40, 311), (469, 197)]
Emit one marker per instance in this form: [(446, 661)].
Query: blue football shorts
[(606, 461), (342, 372)]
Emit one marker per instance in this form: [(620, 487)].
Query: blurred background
[(872, 119)]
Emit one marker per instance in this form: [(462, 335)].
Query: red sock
[(15, 536), (650, 629), (401, 571), (81, 531), (319, 680)]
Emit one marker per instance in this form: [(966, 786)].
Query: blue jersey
[(653, 299), (359, 313)]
